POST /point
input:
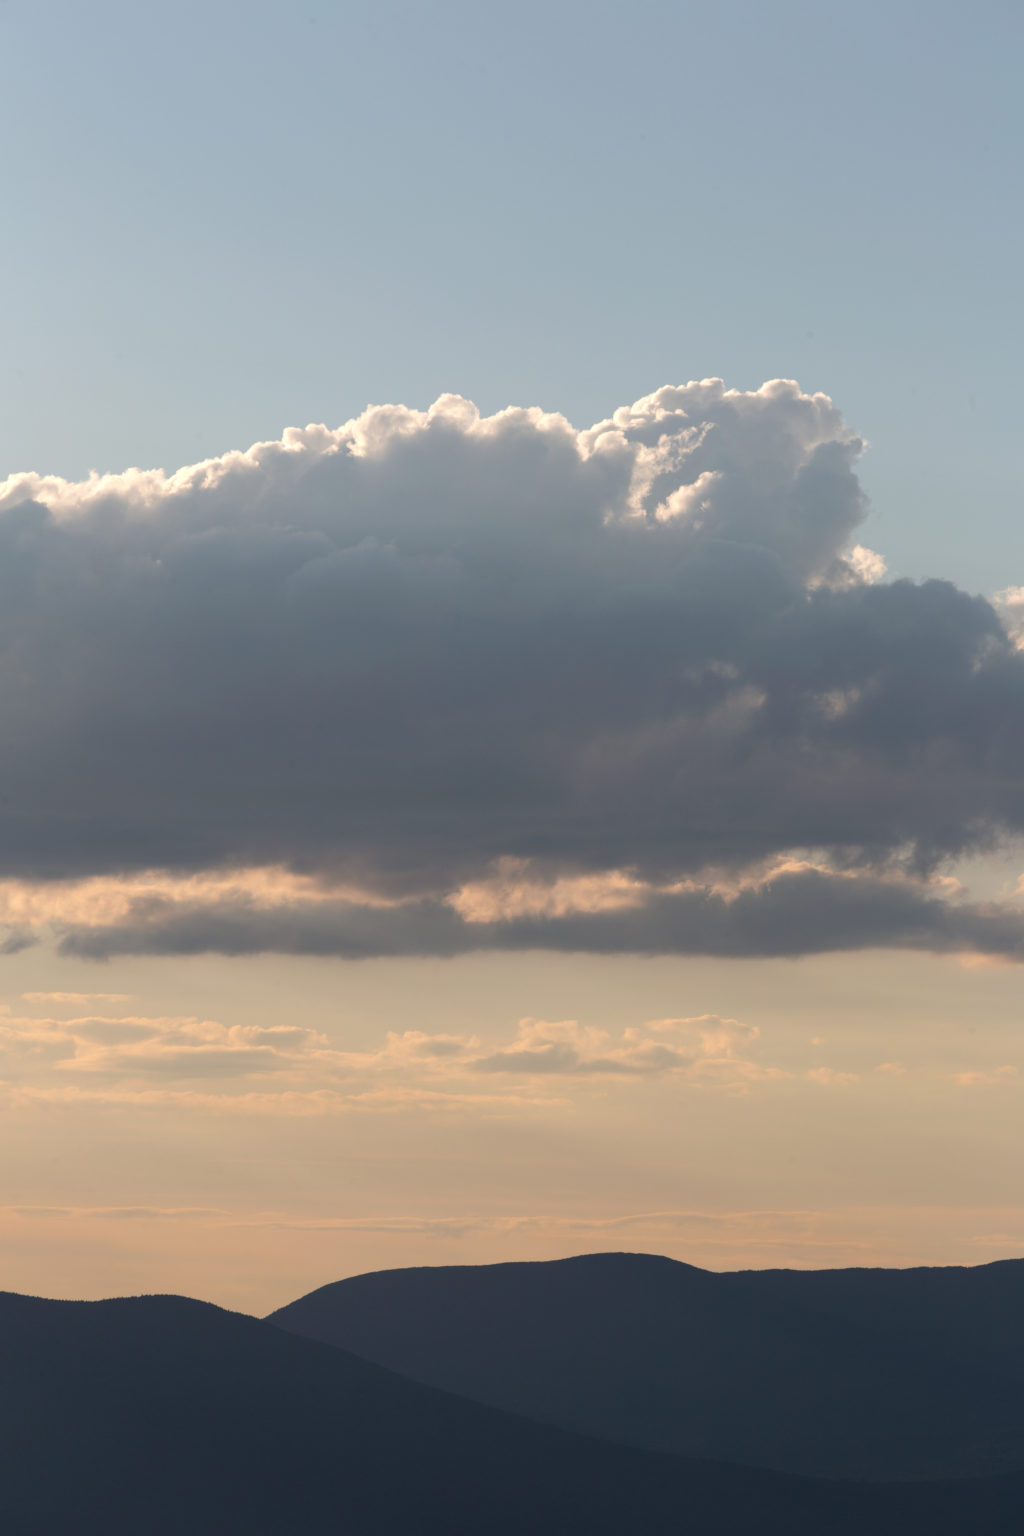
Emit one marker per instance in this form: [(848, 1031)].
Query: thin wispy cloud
[(814, 1236), (77, 999), (1003, 1074)]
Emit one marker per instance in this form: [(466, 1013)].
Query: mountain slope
[(158, 1415), (871, 1374)]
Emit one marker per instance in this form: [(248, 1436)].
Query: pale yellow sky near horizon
[(852, 1109)]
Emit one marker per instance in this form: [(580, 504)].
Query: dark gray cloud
[(806, 911), (396, 653)]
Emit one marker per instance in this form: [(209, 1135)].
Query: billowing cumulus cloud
[(444, 682)]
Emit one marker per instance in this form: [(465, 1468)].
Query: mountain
[(879, 1374), (158, 1416)]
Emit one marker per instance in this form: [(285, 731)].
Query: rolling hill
[(879, 1374), (158, 1416)]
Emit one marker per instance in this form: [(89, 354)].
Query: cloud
[(768, 1227), (117, 1212), (1010, 606), (289, 1069), (403, 660), (707, 1047), (792, 908), (1005, 1074), (168, 1062), (75, 999), (717, 1239), (307, 1103), (136, 1048)]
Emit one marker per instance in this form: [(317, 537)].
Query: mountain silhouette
[(883, 1374), (159, 1416)]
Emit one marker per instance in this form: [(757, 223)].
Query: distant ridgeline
[(612, 1394), (863, 1373)]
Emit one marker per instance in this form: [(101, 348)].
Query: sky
[(510, 642)]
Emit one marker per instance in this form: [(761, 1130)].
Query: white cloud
[(1010, 605)]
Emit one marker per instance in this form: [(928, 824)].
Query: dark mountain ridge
[(880, 1374), (169, 1417)]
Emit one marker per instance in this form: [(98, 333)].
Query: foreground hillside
[(845, 1373), (158, 1415)]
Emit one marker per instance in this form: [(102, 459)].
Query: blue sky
[(643, 801), (225, 218)]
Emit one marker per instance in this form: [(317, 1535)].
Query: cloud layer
[(408, 657), (185, 1062), (147, 1062), (794, 910)]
